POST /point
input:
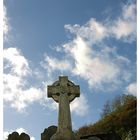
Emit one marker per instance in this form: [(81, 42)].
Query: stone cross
[(63, 92)]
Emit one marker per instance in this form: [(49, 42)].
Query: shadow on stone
[(105, 136), (48, 132), (13, 136), (24, 136), (16, 136)]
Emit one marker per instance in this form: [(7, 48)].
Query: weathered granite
[(64, 91), (13, 136), (24, 136), (48, 132), (16, 136)]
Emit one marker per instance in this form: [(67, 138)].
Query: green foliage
[(121, 119), (130, 136)]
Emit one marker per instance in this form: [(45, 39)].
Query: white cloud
[(80, 106), (98, 67), (24, 98), (89, 57), (5, 135), (15, 77), (52, 63), (131, 89), (93, 60), (16, 70), (123, 29), (16, 62), (97, 63), (17, 95), (125, 26), (19, 130), (6, 26), (129, 11), (93, 31)]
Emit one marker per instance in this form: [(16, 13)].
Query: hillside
[(121, 119)]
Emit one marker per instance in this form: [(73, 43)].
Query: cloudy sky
[(92, 42)]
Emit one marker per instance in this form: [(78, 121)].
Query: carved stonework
[(63, 92)]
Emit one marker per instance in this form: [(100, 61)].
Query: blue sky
[(92, 42)]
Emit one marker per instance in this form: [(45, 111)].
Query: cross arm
[(53, 90), (70, 90)]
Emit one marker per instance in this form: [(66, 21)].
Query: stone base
[(66, 135)]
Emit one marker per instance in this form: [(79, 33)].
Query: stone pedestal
[(65, 135)]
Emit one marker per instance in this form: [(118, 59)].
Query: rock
[(94, 138), (105, 136), (24, 136), (48, 132), (16, 136), (13, 136)]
